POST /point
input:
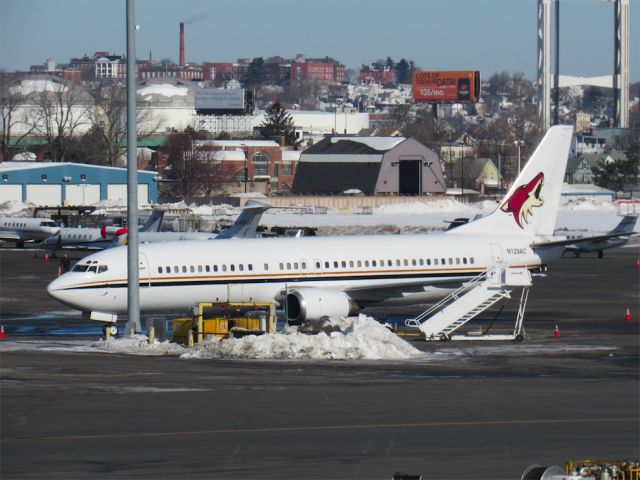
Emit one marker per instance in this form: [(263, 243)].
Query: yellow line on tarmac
[(310, 428)]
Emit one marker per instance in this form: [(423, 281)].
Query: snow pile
[(353, 338), (589, 204), (437, 206), (12, 206), (136, 345)]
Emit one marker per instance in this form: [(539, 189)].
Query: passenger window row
[(327, 265), (205, 268)]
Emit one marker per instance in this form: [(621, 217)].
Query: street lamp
[(519, 144)]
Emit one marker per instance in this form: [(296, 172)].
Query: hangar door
[(409, 177), (82, 194), (119, 192), (10, 192), (42, 195)]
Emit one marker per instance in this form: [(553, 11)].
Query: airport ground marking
[(323, 428)]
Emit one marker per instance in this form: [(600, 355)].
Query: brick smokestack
[(182, 44)]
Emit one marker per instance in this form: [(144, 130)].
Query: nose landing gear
[(110, 329)]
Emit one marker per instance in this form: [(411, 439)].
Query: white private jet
[(75, 238), (316, 277), (26, 229), (618, 237)]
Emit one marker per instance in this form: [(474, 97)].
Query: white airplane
[(318, 277), (26, 229), (245, 226), (618, 237), (72, 238)]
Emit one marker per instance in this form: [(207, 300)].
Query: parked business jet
[(245, 226), (316, 277), (618, 237), (26, 229), (72, 238)]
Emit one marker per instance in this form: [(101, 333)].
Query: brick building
[(270, 167), (370, 74), (323, 70)]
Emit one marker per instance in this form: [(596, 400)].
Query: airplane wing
[(9, 236), (581, 240), (376, 294)]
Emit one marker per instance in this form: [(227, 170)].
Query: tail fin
[(626, 225), (154, 222), (247, 222), (531, 205)]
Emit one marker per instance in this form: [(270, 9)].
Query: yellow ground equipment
[(226, 320)]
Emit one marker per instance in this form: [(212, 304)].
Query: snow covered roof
[(237, 143), (377, 143), (12, 166), (585, 189), (236, 155), (164, 89)]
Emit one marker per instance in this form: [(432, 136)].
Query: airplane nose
[(53, 289)]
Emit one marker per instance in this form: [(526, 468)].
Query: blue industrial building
[(60, 184)]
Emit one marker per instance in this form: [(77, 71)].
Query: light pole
[(519, 144), (246, 164)]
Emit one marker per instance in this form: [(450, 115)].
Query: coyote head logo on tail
[(524, 199)]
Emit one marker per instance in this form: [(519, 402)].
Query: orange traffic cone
[(46, 258), (627, 316), (2, 334), (556, 332)]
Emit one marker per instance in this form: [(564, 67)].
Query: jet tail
[(626, 225), (247, 222), (531, 205), (154, 222)]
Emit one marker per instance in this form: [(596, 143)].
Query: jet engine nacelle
[(316, 304)]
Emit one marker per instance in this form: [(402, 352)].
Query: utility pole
[(133, 272)]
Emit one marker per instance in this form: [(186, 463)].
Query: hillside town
[(301, 126)]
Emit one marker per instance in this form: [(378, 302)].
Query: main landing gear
[(110, 329)]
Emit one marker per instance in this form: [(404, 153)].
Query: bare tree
[(194, 172), (12, 114), (109, 118), (61, 111), (10, 98)]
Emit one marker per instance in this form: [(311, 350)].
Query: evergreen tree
[(403, 71), (255, 73), (277, 123)]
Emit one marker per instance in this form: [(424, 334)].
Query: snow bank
[(353, 338), (12, 206), (438, 206), (135, 345)]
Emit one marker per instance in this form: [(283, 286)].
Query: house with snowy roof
[(371, 165)]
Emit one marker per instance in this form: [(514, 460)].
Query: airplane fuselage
[(26, 229), (421, 268)]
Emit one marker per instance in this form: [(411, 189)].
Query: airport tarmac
[(468, 410)]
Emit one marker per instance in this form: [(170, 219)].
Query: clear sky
[(489, 35)]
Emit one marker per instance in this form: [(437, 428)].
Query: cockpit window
[(90, 268)]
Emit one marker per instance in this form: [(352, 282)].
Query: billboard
[(220, 100), (446, 87)]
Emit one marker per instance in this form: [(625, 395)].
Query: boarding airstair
[(471, 299)]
